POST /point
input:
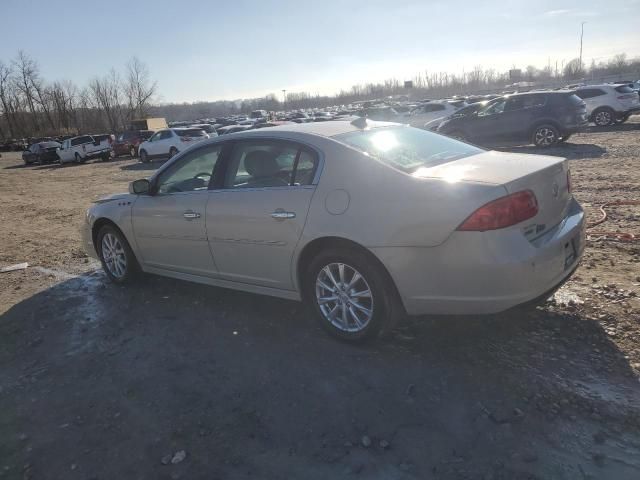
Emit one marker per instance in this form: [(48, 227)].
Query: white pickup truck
[(82, 148)]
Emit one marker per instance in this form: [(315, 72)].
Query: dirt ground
[(167, 379)]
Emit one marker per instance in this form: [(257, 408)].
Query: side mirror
[(140, 187)]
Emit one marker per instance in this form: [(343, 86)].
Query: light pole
[(284, 98), (581, 36)]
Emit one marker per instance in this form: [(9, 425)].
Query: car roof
[(325, 129)]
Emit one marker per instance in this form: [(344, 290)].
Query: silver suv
[(609, 104)]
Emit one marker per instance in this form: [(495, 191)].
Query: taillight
[(503, 212), (569, 181)]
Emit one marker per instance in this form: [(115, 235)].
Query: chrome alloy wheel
[(545, 136), (344, 297), (114, 255)]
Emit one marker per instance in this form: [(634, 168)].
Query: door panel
[(170, 234), (250, 245)]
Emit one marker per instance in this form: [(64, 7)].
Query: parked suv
[(85, 147), (166, 143), (127, 143), (541, 118), (608, 104)]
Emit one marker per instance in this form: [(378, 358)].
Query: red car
[(127, 142)]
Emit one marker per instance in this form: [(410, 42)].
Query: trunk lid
[(545, 176)]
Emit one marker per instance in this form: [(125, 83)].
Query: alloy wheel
[(545, 137), (602, 118), (114, 255), (344, 297), (132, 152)]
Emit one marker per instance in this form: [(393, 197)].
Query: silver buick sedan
[(365, 221)]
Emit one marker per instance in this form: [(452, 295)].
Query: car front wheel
[(116, 256), (172, 151), (132, 152), (352, 298), (144, 158)]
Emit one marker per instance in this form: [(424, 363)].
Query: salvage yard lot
[(99, 381)]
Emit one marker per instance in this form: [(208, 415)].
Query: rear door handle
[(190, 215), (281, 214)]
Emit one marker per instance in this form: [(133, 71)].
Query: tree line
[(31, 106)]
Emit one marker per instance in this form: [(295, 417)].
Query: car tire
[(545, 135), (132, 152), (604, 117), (117, 258), (112, 154), (351, 322), (172, 152), (78, 158), (144, 158), (39, 160)]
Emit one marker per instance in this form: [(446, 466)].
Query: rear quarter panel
[(385, 207)]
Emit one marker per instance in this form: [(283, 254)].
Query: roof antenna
[(360, 122)]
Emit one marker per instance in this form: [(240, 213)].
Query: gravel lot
[(167, 379)]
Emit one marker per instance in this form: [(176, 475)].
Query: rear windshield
[(624, 89), (49, 144), (406, 148), (191, 132)]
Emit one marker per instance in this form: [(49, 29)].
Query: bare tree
[(139, 89), (26, 70), (106, 96), (5, 98)]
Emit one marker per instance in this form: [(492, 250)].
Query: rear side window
[(590, 93), (408, 149), (624, 89), (574, 99), (269, 163)]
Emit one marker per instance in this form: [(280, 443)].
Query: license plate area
[(570, 253)]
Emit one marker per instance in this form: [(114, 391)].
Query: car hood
[(111, 198)]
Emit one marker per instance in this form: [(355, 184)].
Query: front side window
[(155, 137), (407, 149), (165, 134), (494, 108), (268, 163), (191, 173)]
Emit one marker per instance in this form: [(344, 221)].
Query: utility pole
[(581, 36), (284, 98)]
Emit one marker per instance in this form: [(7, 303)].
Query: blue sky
[(230, 49)]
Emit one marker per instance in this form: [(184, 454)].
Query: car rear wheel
[(118, 260), (144, 158), (545, 136), (172, 151), (112, 154), (78, 158), (604, 117), (132, 152), (352, 298)]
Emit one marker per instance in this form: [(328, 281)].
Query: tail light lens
[(503, 212)]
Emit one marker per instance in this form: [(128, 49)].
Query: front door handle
[(190, 215), (281, 214)]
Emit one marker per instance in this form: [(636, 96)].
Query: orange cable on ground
[(620, 236)]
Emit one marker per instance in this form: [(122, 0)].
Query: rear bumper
[(485, 272)]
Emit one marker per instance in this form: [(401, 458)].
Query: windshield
[(407, 148)]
